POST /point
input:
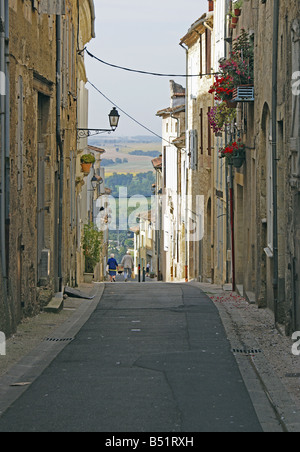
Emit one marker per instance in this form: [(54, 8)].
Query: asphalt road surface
[(151, 358)]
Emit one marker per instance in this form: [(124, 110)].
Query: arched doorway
[(265, 214)]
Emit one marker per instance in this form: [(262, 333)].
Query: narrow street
[(150, 217), (151, 358)]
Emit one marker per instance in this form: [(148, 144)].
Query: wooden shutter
[(208, 50), (201, 131), (194, 149), (208, 134)]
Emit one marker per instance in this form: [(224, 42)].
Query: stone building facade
[(197, 165), (267, 186), (43, 88), (168, 199), (251, 215)]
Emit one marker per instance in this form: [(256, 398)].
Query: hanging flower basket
[(222, 88), (237, 12), (220, 116), (234, 153), (238, 158)]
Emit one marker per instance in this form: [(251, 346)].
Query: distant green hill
[(140, 184)]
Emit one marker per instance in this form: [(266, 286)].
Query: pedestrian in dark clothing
[(112, 268)]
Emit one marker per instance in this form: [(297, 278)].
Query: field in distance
[(122, 154)]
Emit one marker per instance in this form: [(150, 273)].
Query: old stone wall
[(37, 165), (254, 182), (33, 146), (5, 319)]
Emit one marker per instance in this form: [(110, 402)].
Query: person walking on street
[(128, 264), (112, 268)]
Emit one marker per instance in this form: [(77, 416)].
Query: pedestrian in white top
[(128, 264)]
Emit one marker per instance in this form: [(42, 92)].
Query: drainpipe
[(227, 174), (2, 150), (7, 111), (231, 193), (186, 169), (274, 153), (60, 144)]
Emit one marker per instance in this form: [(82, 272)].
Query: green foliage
[(119, 252), (88, 158), (220, 116), (92, 245), (141, 184), (238, 4)]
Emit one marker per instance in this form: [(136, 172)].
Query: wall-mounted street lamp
[(113, 122), (96, 181)]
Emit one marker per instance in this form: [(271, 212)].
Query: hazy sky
[(141, 35)]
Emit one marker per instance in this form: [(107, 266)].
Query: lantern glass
[(94, 182), (114, 118)]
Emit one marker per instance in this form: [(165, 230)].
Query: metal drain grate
[(250, 351), (58, 339)]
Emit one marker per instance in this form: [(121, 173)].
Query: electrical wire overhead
[(125, 113), (156, 74)]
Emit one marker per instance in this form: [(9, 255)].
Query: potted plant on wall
[(87, 160), (237, 7), (240, 68), (92, 240)]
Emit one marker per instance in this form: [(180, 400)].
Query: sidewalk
[(32, 331), (268, 352)]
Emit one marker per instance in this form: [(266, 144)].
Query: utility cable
[(125, 113), (156, 74)]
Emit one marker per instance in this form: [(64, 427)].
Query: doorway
[(42, 137), (296, 265)]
